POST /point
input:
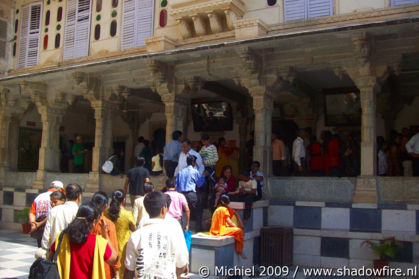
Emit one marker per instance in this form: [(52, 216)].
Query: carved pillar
[(103, 141), (49, 152), (14, 142), (366, 188), (175, 108), (262, 106), (4, 136)]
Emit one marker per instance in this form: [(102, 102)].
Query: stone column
[(14, 142), (4, 140), (175, 108), (366, 188), (103, 142), (49, 152), (262, 106)]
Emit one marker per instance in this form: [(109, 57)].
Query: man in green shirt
[(78, 153)]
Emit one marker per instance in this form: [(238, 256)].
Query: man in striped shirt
[(209, 156)]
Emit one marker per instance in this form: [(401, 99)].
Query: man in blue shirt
[(186, 181), (171, 153)]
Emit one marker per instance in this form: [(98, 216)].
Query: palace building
[(111, 71)]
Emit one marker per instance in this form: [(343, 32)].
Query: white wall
[(350, 6)]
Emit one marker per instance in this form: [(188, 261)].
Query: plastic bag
[(188, 239)]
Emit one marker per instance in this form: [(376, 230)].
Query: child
[(178, 202), (222, 224), (219, 188)]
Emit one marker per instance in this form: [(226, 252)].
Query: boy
[(178, 201)]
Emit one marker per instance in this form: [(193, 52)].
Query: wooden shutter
[(128, 24), (317, 8), (144, 18), (82, 34), (294, 9), (77, 29), (70, 29), (29, 36), (403, 2)]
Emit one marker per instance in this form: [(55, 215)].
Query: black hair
[(176, 135), (153, 203), (168, 200), (187, 141), (79, 229), (100, 200), (73, 191), (224, 200), (148, 187), (205, 137), (140, 161), (146, 142), (115, 206), (190, 160), (257, 163), (140, 139), (58, 194), (220, 140), (171, 182)]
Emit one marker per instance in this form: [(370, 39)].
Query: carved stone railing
[(200, 18)]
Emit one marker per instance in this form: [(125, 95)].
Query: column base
[(39, 182), (366, 190), (93, 183)]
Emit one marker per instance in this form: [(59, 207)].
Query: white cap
[(57, 184)]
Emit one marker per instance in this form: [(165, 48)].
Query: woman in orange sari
[(100, 200), (222, 224)]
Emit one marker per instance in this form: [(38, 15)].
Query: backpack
[(46, 269)]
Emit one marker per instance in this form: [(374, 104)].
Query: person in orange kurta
[(100, 201), (222, 224)]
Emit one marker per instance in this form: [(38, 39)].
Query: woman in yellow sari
[(124, 224)]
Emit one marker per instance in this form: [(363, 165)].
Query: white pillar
[(263, 106)]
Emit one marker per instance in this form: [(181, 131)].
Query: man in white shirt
[(187, 150), (156, 250), (412, 148), (299, 153), (62, 215), (138, 209)]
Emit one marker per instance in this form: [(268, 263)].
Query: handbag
[(39, 230), (46, 269), (188, 239), (107, 167)]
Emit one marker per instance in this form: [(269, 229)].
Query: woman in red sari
[(316, 157)]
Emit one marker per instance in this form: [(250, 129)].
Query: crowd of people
[(400, 155), (334, 156), (102, 239)]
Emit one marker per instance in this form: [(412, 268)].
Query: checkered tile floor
[(16, 254)]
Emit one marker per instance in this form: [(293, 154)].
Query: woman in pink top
[(178, 203)]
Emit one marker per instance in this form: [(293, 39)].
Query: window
[(16, 25), (98, 5), (57, 40), (29, 36), (97, 32), (303, 9), (60, 14), (114, 3), (113, 28), (47, 16), (77, 29), (45, 42), (137, 22), (271, 2), (403, 2)]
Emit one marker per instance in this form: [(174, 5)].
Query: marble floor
[(16, 254)]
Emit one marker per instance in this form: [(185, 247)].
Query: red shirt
[(316, 162), (82, 257), (231, 184)]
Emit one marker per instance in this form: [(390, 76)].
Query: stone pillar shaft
[(4, 138), (103, 134), (263, 105), (49, 151), (368, 143), (14, 143), (175, 112)]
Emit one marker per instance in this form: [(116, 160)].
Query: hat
[(56, 184)]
